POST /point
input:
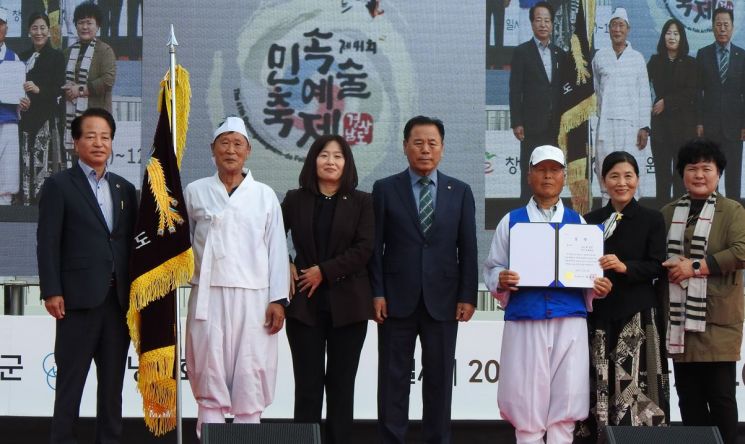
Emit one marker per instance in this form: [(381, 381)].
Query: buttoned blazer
[(407, 265), (350, 247), (76, 252), (534, 98), (721, 106)]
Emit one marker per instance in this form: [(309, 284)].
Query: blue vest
[(8, 112), (538, 303)]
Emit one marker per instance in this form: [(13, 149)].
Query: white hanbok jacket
[(622, 87), (238, 241)]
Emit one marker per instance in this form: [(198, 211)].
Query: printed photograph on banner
[(589, 103), (64, 67), (307, 70)]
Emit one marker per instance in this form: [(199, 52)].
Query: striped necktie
[(723, 63), (426, 210)]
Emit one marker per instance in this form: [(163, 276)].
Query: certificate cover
[(556, 255)]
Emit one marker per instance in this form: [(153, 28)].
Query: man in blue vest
[(544, 384), (9, 147)]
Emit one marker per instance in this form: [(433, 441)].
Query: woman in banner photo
[(91, 67), (332, 226), (673, 74), (41, 144), (706, 254), (240, 285), (629, 374)]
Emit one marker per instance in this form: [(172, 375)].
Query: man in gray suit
[(86, 219), (721, 104)]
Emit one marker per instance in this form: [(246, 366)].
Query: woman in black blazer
[(41, 136), (674, 75), (332, 227), (629, 377)]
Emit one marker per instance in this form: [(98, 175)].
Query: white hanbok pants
[(616, 135), (230, 357), (10, 161), (544, 381)]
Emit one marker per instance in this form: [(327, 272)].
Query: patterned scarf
[(76, 107), (609, 225), (688, 298)]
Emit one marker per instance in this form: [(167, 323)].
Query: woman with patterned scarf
[(629, 374), (91, 67), (706, 255)]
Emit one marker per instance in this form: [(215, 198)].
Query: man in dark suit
[(86, 219), (535, 89), (424, 279), (721, 103)]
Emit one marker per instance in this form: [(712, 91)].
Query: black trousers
[(396, 374), (99, 334), (324, 356), (706, 394), (528, 144)]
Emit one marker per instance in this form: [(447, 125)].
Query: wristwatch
[(696, 265)]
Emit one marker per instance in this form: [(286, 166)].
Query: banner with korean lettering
[(296, 69)]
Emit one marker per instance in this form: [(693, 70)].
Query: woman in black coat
[(41, 144), (673, 74), (332, 227), (629, 377)]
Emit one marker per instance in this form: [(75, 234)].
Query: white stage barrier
[(27, 375)]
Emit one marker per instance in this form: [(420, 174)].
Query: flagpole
[(172, 43)]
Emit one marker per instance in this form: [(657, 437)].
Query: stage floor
[(24, 430)]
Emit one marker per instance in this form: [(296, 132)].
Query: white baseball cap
[(231, 124), (620, 13), (547, 152), (3, 14)]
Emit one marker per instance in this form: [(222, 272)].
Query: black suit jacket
[(76, 252), (48, 74), (407, 265), (534, 98), (639, 241), (350, 247), (679, 93), (721, 106)]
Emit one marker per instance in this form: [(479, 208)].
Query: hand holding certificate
[(554, 255)]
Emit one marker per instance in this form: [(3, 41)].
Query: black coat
[(721, 106), (534, 98), (48, 74), (350, 247), (639, 241), (679, 93), (75, 250)]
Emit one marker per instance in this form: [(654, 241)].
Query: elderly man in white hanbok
[(624, 100), (240, 284)]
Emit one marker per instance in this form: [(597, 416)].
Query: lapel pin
[(117, 185), (344, 197), (450, 187)]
